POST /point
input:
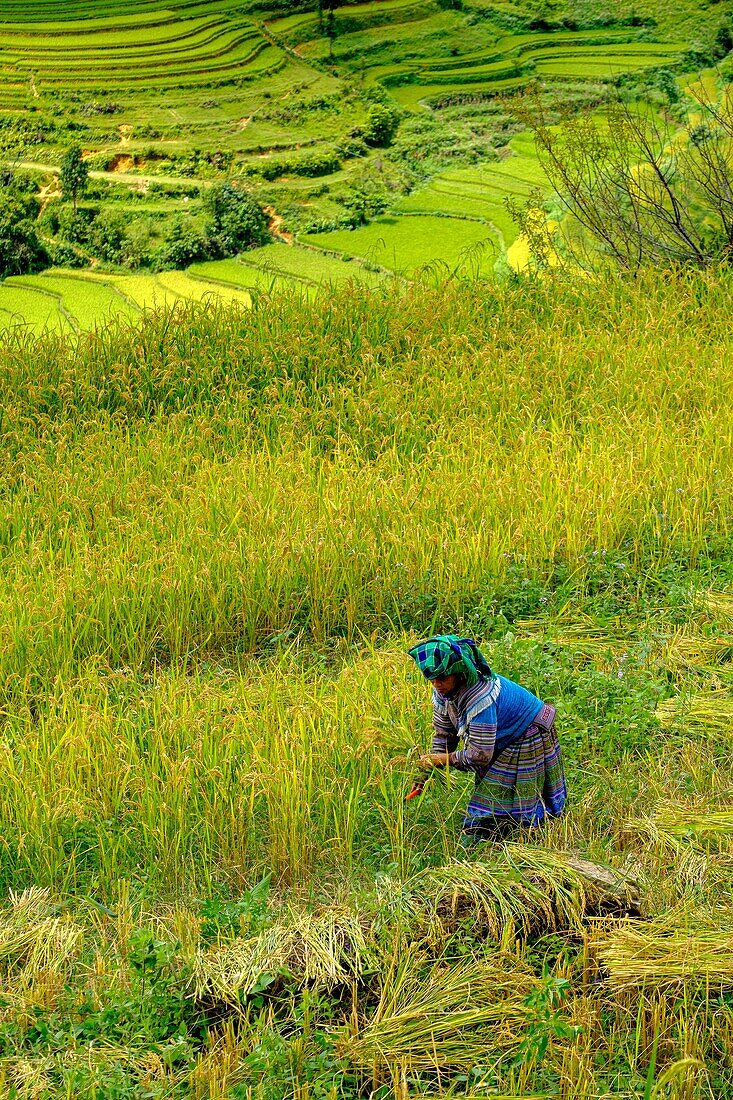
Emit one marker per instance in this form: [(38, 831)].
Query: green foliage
[(21, 250), (222, 917), (723, 41), (235, 221), (74, 174), (546, 1019), (381, 124), (321, 162)]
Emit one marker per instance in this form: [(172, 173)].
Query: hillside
[(220, 532), (382, 131)]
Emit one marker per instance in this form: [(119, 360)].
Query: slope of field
[(220, 534), (481, 193), (76, 301), (80, 300), (507, 61), (403, 244)]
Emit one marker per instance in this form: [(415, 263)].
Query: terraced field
[(435, 66), (72, 301), (122, 52), (480, 193), (167, 98)]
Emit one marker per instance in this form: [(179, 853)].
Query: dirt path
[(274, 224), (49, 191), (113, 177)]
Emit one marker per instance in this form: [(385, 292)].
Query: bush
[(381, 124), (61, 254), (321, 163), (187, 246), (235, 221), (21, 251), (723, 43)]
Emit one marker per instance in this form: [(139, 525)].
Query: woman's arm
[(445, 740), (478, 750)]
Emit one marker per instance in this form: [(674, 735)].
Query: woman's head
[(445, 656), (447, 685)]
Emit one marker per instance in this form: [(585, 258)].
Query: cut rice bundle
[(679, 949), (688, 649), (449, 1015), (326, 949), (32, 939), (706, 713), (526, 891)]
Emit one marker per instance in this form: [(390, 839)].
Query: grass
[(405, 244), (221, 531)]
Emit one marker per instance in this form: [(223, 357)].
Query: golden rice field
[(220, 530)]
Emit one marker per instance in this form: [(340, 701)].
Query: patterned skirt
[(523, 785)]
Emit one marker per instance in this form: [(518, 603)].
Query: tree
[(74, 174), (381, 124), (635, 191), (723, 42), (235, 221), (21, 251)]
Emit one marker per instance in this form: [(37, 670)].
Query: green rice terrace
[(382, 134)]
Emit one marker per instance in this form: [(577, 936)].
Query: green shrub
[(235, 221), (319, 163), (381, 124), (21, 250)]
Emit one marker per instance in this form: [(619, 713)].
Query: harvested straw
[(678, 949), (581, 635), (704, 713), (525, 890), (680, 821), (326, 949), (719, 606), (448, 1015), (687, 648), (32, 938)]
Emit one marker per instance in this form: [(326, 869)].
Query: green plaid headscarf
[(448, 655)]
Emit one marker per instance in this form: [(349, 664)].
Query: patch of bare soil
[(124, 162), (274, 224), (49, 191), (244, 122)]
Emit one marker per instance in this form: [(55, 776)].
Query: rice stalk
[(704, 713), (688, 649), (679, 821), (678, 949), (581, 634), (719, 605), (32, 940), (326, 949), (448, 1015), (526, 890)]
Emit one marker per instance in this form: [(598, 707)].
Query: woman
[(508, 734)]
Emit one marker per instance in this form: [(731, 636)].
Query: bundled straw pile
[(32, 937), (704, 713), (451, 1014), (683, 948), (324, 949), (526, 891)]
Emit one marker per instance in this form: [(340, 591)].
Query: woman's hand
[(433, 760)]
